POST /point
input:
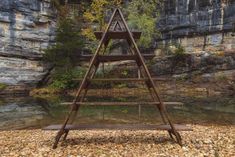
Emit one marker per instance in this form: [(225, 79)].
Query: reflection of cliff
[(199, 24), (26, 28), (19, 114), (28, 112)]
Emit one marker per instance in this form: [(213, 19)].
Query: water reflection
[(28, 112)]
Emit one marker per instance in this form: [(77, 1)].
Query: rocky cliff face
[(26, 28), (199, 24)]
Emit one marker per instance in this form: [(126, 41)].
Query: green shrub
[(2, 86), (125, 73), (65, 79), (121, 85), (179, 55), (222, 77), (143, 16), (180, 50), (68, 43), (62, 55)]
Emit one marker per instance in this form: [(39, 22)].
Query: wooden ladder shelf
[(112, 33)]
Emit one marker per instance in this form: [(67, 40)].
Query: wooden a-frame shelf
[(95, 60)]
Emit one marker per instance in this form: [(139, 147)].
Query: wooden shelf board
[(121, 103), (178, 127), (113, 58), (117, 35)]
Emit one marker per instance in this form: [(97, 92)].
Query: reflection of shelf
[(124, 79), (120, 103), (119, 127)]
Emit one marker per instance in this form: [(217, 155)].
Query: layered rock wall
[(26, 28), (193, 64), (199, 25)]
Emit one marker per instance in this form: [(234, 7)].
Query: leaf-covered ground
[(203, 141)]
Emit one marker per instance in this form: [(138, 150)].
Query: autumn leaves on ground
[(210, 141)]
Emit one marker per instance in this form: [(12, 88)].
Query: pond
[(29, 112)]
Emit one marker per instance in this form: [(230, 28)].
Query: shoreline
[(202, 124), (211, 140)]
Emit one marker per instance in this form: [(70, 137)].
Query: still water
[(28, 112)]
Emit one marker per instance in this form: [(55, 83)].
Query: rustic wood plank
[(117, 34), (119, 127), (113, 58)]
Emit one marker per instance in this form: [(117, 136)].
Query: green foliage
[(55, 4), (94, 17), (125, 73), (179, 51), (68, 41), (62, 55), (175, 49), (45, 92), (147, 25), (222, 77), (151, 62), (2, 86), (125, 111), (142, 15), (121, 85), (182, 77), (180, 58), (95, 14), (65, 80)]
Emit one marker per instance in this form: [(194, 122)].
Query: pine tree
[(61, 55)]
